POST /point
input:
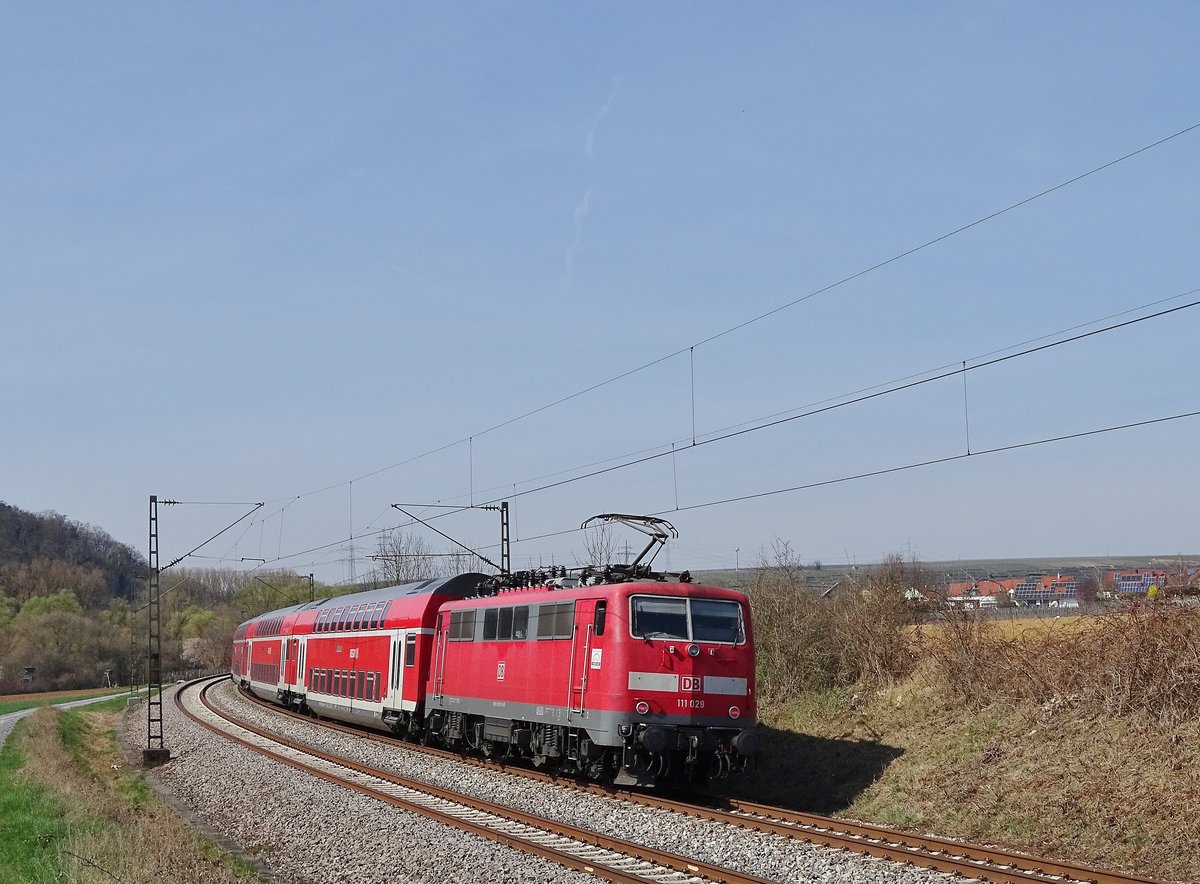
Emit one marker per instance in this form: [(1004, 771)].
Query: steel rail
[(607, 857), (991, 864)]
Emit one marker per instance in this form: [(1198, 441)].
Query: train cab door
[(587, 649)]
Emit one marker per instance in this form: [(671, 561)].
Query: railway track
[(993, 865), (610, 858)]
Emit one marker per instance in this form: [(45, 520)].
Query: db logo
[(689, 683)]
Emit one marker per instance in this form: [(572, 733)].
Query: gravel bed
[(768, 856), (308, 831)]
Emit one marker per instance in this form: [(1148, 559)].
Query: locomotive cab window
[(659, 617), (715, 620), (688, 619)]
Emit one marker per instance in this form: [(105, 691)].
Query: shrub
[(810, 642)]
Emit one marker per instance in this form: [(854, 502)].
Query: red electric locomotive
[(633, 679)]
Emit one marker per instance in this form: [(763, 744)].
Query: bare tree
[(405, 558), (601, 546)]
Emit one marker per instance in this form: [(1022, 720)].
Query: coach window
[(359, 616), (410, 650), (374, 617)]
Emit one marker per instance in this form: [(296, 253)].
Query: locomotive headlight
[(735, 712), (693, 650), (642, 707)]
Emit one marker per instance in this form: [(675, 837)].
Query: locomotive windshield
[(701, 620)]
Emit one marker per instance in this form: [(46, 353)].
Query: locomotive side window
[(601, 615), (462, 626), (556, 620), (659, 617), (501, 624), (410, 650), (714, 620)]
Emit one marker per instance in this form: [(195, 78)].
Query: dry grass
[(1138, 662), (1120, 793), (118, 829), (1076, 737)]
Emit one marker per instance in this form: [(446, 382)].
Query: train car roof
[(458, 586)]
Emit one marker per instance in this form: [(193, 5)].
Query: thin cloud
[(589, 144), (581, 213)]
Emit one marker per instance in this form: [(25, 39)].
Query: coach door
[(586, 649), (439, 654), (292, 659)]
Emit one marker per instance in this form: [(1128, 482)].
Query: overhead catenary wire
[(890, 470), (858, 399), (469, 439), (661, 448), (955, 370), (934, 462)]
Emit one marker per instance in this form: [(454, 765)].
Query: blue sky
[(251, 252)]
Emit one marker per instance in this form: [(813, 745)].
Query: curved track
[(609, 858), (983, 863)]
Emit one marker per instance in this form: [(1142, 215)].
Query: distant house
[(1058, 591), (1135, 582), (1047, 591)]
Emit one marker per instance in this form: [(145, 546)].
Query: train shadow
[(811, 774)]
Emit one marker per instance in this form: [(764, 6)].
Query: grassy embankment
[(1077, 738), (70, 809), (17, 702)]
